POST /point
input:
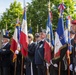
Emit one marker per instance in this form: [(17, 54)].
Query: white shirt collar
[(31, 42)]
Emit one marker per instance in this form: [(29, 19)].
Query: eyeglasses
[(29, 37)]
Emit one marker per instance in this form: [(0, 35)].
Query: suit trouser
[(6, 71), (53, 70), (64, 72), (31, 68), (0, 70), (41, 69), (28, 68), (12, 69), (71, 73)]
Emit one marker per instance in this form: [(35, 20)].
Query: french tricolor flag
[(59, 38), (15, 40), (24, 36)]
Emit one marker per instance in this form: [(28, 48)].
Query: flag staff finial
[(68, 9), (24, 3), (6, 25), (49, 6), (30, 22), (18, 14), (62, 1)]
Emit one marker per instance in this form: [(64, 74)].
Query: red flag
[(24, 37), (47, 51)]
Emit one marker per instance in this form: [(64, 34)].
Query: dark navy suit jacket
[(39, 53), (5, 53)]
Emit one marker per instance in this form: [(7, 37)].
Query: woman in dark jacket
[(30, 64)]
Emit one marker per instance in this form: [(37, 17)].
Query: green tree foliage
[(38, 12), (8, 20)]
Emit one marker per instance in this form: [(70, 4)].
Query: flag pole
[(15, 66), (47, 67), (60, 15), (6, 25), (30, 23), (22, 64), (59, 73), (37, 28), (15, 55), (62, 1), (68, 56)]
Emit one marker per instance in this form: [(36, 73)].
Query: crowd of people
[(35, 64)]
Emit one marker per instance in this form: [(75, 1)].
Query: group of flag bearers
[(35, 62), (44, 56)]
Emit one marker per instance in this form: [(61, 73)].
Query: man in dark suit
[(73, 27), (73, 57), (39, 54), (73, 54), (5, 54)]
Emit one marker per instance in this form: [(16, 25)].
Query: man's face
[(5, 40), (42, 35), (37, 38), (74, 28)]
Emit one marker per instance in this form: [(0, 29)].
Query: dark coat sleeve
[(31, 49), (72, 55)]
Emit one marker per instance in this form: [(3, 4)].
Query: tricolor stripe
[(24, 36)]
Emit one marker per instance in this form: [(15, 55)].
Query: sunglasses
[(29, 37)]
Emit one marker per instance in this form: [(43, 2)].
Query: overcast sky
[(5, 4)]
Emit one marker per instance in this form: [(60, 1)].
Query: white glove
[(71, 67), (47, 65), (51, 62), (16, 52), (55, 65), (75, 69)]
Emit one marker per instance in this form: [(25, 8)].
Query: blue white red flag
[(59, 37), (15, 40), (24, 36), (49, 43), (67, 30), (49, 31)]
